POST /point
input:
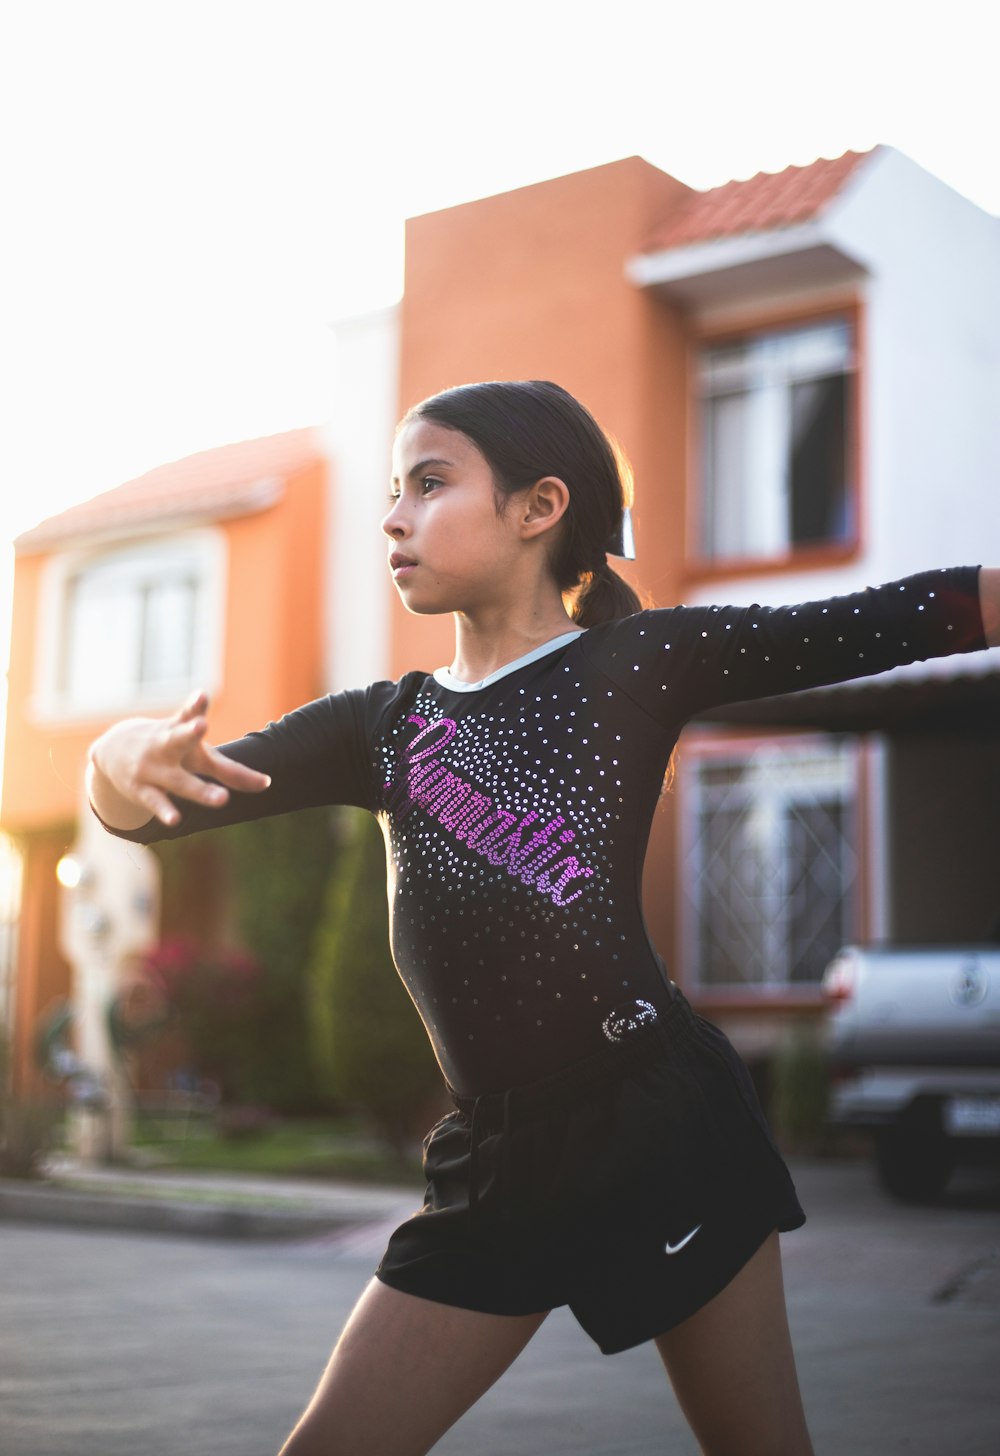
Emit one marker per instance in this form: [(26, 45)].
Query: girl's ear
[(544, 505)]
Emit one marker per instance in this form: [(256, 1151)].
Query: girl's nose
[(394, 522)]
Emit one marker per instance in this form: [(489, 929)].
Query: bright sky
[(194, 190)]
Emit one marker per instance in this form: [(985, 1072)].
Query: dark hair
[(527, 429)]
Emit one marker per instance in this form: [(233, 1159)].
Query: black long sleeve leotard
[(516, 812)]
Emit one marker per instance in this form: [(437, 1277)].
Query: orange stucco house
[(205, 572)]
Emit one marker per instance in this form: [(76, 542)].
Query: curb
[(73, 1208)]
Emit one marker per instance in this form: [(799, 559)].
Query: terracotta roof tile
[(228, 480), (764, 202)]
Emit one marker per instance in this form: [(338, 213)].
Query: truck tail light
[(839, 978), (841, 1075)]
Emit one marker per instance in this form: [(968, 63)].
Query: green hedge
[(369, 1049)]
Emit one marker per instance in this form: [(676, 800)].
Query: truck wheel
[(914, 1164)]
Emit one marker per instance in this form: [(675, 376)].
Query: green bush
[(369, 1048), (800, 1090), (27, 1128), (280, 869)]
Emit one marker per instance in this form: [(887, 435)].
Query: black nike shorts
[(631, 1186)]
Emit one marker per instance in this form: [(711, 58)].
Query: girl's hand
[(138, 762), (989, 601)]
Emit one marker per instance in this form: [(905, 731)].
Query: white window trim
[(876, 835), (206, 548), (700, 528)]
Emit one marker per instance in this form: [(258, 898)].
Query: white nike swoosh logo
[(669, 1248)]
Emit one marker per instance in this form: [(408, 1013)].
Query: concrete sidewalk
[(203, 1204), (113, 1343)]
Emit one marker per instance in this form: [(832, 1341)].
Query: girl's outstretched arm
[(680, 661), (133, 767), (989, 603)]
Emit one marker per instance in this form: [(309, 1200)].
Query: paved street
[(115, 1343)]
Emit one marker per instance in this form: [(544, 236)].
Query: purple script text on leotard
[(535, 856)]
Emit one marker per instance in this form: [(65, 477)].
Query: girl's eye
[(431, 482)]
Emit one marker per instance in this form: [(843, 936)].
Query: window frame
[(729, 331), (708, 744), (205, 548)]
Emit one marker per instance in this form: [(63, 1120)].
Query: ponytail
[(603, 596), (527, 429)]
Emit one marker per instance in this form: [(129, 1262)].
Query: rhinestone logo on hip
[(629, 1017)]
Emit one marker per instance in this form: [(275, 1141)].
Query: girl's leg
[(402, 1372), (732, 1367)]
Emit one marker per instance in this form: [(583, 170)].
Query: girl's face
[(449, 549)]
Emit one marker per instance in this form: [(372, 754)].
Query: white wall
[(359, 443), (934, 348), (931, 383)]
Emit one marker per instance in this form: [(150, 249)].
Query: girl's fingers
[(192, 707), (180, 775), (184, 785), (159, 805), (228, 771), (178, 754), (183, 735)]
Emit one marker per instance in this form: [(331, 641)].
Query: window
[(134, 625), (776, 411), (770, 864)]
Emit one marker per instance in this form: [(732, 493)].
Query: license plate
[(972, 1116)]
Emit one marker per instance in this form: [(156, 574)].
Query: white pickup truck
[(914, 1048)]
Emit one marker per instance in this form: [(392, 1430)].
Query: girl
[(606, 1149)]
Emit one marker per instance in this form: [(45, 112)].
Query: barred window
[(770, 864)]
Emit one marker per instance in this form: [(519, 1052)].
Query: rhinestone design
[(629, 1017)]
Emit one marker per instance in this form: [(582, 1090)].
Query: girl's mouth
[(400, 565)]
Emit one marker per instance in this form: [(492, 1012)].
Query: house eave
[(959, 694), (153, 517), (726, 270)]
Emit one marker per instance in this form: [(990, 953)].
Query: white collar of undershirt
[(454, 684)]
